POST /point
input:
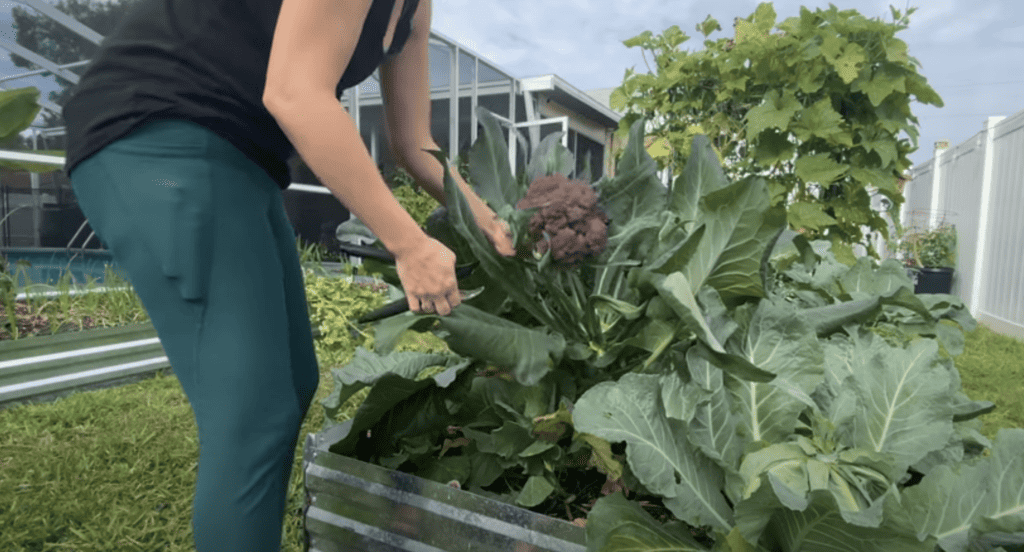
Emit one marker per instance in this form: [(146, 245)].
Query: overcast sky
[(972, 53)]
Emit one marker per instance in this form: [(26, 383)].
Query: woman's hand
[(497, 232), (427, 272)]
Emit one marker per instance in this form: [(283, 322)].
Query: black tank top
[(204, 61)]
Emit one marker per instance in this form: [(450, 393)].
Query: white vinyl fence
[(979, 187)]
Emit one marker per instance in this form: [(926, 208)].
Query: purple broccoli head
[(569, 221)]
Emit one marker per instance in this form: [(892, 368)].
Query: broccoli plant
[(570, 222)]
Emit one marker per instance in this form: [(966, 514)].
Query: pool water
[(48, 264)]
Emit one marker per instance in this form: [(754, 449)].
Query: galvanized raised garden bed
[(354, 506)]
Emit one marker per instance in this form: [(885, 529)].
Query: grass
[(114, 469), (991, 369)]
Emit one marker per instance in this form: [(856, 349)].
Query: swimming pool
[(48, 264)]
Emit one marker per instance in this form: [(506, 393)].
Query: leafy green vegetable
[(760, 387)]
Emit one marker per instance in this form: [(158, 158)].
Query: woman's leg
[(202, 234)]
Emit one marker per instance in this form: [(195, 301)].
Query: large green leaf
[(738, 228), (550, 157), (779, 341), (677, 293), (630, 246), (702, 175), (829, 319), (488, 164), (398, 406), (863, 281), (905, 398), (820, 528), (713, 426), (530, 353), (856, 479), (619, 525), (960, 504), (366, 368), (658, 451), (635, 190)]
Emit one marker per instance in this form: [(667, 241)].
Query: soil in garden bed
[(31, 324)]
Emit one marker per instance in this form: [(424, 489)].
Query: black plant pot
[(934, 280)]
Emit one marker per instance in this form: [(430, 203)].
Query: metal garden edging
[(43, 367), (354, 506)]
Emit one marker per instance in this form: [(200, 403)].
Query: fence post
[(981, 251), (940, 149)]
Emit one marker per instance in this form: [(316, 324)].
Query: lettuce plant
[(763, 390)]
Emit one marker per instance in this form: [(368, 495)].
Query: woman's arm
[(313, 43), (405, 82)]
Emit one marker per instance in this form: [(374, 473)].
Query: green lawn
[(992, 369), (114, 469)]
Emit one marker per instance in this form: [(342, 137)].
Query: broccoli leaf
[(657, 449), (550, 157), (958, 504), (635, 190), (777, 341), (905, 399), (489, 168), (703, 174), (619, 525)]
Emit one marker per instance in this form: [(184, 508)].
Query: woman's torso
[(205, 61)]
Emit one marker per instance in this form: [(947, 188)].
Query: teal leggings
[(202, 234)]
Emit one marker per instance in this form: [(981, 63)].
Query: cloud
[(965, 26), (1016, 34)]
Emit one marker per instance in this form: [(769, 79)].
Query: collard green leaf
[(905, 395), (657, 449), (738, 272), (959, 504), (966, 409), (676, 256), (619, 525), (778, 341)]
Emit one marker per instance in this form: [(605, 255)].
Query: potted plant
[(931, 255), (699, 378)]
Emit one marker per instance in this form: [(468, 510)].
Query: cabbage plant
[(764, 391)]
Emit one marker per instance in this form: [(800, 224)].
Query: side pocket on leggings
[(188, 229)]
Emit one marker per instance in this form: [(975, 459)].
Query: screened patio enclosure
[(41, 211)]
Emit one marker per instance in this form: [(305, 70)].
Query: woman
[(178, 136)]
